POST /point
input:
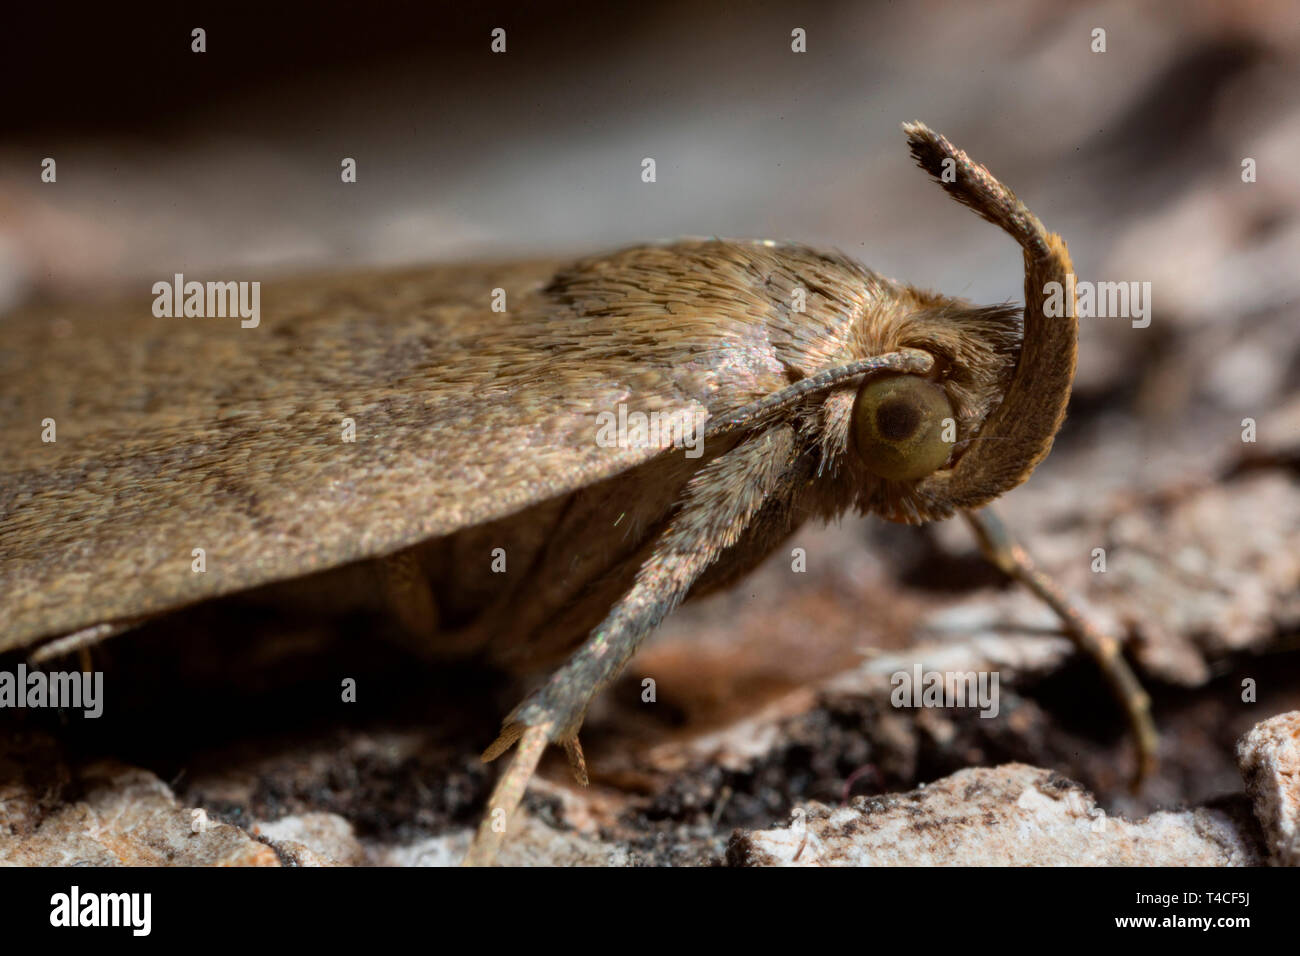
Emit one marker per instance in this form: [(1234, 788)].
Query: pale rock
[(1014, 815), (1269, 757)]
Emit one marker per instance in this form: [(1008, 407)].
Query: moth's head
[(976, 422), (896, 431)]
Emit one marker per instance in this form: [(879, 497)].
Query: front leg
[(717, 507), (1012, 559)]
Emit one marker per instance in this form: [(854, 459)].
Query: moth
[(474, 500)]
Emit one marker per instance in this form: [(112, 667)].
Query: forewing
[(182, 433)]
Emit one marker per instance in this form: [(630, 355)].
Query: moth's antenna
[(1033, 408), (974, 186), (904, 360)]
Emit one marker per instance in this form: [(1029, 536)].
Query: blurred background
[(227, 164)]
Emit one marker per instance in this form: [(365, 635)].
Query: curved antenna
[(914, 361), (1033, 408)]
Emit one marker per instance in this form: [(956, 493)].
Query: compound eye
[(898, 426)]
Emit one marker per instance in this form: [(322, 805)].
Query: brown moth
[(821, 388)]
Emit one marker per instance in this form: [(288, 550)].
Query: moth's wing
[(174, 434)]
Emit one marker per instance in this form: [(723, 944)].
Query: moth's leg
[(81, 641), (718, 504), (1004, 551), (506, 796), (406, 591)]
